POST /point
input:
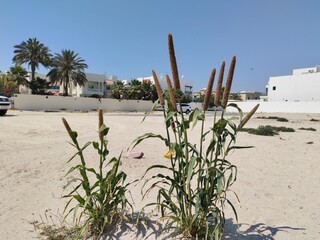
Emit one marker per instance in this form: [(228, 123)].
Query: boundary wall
[(42, 103), (280, 107)]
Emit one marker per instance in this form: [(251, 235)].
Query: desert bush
[(283, 129), (192, 196), (314, 120), (267, 130), (279, 119), (308, 129), (102, 202), (261, 130)]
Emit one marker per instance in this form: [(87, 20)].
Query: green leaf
[(154, 106), (146, 136), (197, 207), (236, 107), (233, 208), (238, 147), (73, 168), (104, 129), (211, 147), (196, 115), (79, 199), (220, 126), (169, 118), (79, 152), (96, 145), (190, 168)]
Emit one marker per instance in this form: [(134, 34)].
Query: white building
[(186, 86), (94, 86), (302, 85)]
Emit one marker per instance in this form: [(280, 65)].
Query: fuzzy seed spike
[(72, 134), (247, 117), (227, 88), (219, 85), (171, 94), (158, 88), (100, 114), (209, 90), (173, 63)]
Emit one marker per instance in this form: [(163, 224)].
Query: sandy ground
[(278, 180)]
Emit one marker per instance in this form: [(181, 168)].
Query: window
[(54, 87), (274, 88)]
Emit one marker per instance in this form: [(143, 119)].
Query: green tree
[(118, 90), (235, 96), (199, 99), (32, 53), (68, 67), (186, 98), (7, 87), (19, 75), (135, 90), (149, 91), (39, 86)]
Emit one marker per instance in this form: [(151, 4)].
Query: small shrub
[(308, 129), (283, 129), (51, 111), (314, 120), (279, 119), (103, 201), (53, 232), (263, 130), (267, 130)]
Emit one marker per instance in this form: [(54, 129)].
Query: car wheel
[(187, 111), (3, 112)]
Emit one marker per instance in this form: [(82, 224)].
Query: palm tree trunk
[(66, 85), (33, 72), (65, 89)]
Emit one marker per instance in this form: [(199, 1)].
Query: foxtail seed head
[(227, 88), (209, 90), (100, 113), (173, 63), (171, 94), (247, 117), (219, 85), (158, 88), (70, 132)]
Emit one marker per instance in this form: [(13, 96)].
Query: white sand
[(278, 180)]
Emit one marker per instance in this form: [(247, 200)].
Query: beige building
[(247, 96)]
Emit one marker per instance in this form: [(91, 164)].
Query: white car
[(186, 108), (5, 104)]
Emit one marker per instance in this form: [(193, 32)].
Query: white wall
[(301, 86), (284, 107), (39, 102)]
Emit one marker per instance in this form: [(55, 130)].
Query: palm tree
[(19, 75), (235, 96), (33, 53), (118, 90), (149, 91), (135, 89), (68, 66)]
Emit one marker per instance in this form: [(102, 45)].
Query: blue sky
[(129, 38)]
